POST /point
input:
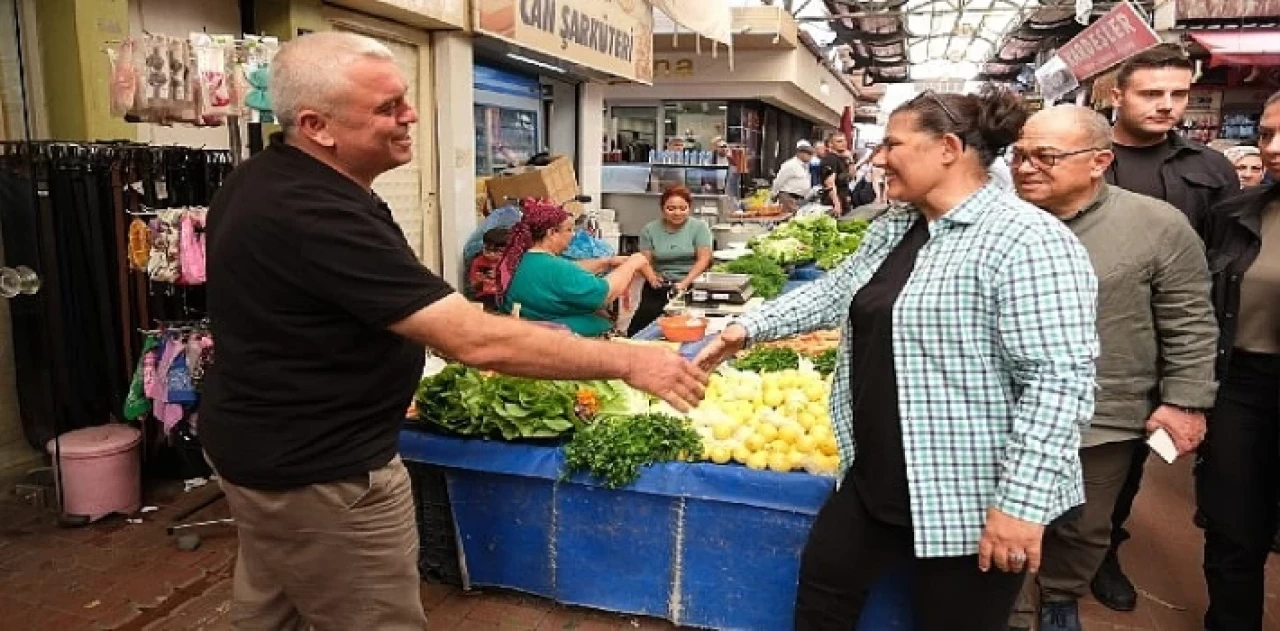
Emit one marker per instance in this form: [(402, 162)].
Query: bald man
[(1155, 324)]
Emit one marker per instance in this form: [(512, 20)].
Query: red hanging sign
[(1116, 36)]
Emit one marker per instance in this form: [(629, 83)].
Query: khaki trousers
[(337, 556), (1073, 550)]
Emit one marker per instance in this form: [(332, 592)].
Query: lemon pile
[(775, 420)]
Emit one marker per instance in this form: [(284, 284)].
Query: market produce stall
[(699, 544), (592, 493)]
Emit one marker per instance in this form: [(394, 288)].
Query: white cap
[(804, 145)]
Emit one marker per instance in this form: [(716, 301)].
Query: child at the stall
[(483, 276)]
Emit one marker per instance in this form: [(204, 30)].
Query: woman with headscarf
[(550, 288), (964, 374), (1248, 163)]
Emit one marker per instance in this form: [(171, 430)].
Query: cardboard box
[(555, 181), (483, 207)]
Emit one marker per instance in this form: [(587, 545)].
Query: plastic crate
[(438, 544)]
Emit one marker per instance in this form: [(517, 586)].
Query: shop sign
[(1226, 9), (673, 67), (1116, 36), (424, 13), (611, 36)]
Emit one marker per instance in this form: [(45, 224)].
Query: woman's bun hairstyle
[(987, 122), (1001, 115)]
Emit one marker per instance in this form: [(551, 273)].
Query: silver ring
[(1017, 557)]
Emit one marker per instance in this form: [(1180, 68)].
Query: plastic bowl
[(682, 328)]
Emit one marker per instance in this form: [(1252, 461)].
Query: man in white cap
[(793, 184)]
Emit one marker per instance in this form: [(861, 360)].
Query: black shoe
[(1112, 588), (1064, 616)]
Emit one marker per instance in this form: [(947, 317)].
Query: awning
[(711, 19), (1252, 47)]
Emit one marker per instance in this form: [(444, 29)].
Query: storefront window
[(695, 125), (635, 133)]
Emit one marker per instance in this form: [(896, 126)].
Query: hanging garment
[(139, 245), (191, 248), (258, 100), (182, 82), (124, 79), (155, 68), (167, 412), (199, 345), (164, 265), (136, 403), (181, 388), (214, 86)]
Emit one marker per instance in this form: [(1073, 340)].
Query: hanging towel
[(139, 245), (135, 403), (191, 247), (181, 390), (167, 412), (163, 264)]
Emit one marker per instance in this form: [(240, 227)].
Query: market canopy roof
[(1240, 47), (921, 40)]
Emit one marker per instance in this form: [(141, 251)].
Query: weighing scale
[(719, 293)]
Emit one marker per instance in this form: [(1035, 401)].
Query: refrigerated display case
[(505, 138), (508, 113)]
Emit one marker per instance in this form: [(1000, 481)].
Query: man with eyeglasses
[(1151, 158), (1155, 324)]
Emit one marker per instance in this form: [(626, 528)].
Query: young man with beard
[(1151, 158), (1155, 324)]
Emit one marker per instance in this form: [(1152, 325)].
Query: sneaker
[(1112, 588), (1063, 616)]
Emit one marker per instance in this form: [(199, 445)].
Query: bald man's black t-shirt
[(306, 270)]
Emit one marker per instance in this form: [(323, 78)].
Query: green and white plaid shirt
[(994, 344)]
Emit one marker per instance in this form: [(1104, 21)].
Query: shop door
[(410, 190), (16, 454)]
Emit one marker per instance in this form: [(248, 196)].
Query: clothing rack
[(65, 209)]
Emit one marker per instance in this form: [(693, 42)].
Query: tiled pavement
[(130, 577)]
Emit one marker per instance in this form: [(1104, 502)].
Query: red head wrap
[(539, 216)]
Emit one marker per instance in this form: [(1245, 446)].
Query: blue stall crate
[(698, 544)]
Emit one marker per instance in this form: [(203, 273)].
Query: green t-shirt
[(554, 289), (674, 253)]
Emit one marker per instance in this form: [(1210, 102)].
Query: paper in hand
[(1161, 443)]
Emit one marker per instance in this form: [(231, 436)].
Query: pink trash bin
[(101, 471)]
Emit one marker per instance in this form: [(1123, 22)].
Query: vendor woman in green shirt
[(550, 288), (679, 248)]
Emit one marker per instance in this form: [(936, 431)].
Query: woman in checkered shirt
[(965, 374)]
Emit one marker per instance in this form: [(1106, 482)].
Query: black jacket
[(1233, 237), (1196, 178)]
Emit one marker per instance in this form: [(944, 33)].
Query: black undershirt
[(1138, 169), (879, 472)]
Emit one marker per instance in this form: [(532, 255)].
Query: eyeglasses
[(1044, 160)]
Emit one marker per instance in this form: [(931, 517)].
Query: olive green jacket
[(1155, 320)]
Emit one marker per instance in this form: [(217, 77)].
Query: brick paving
[(114, 575)]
